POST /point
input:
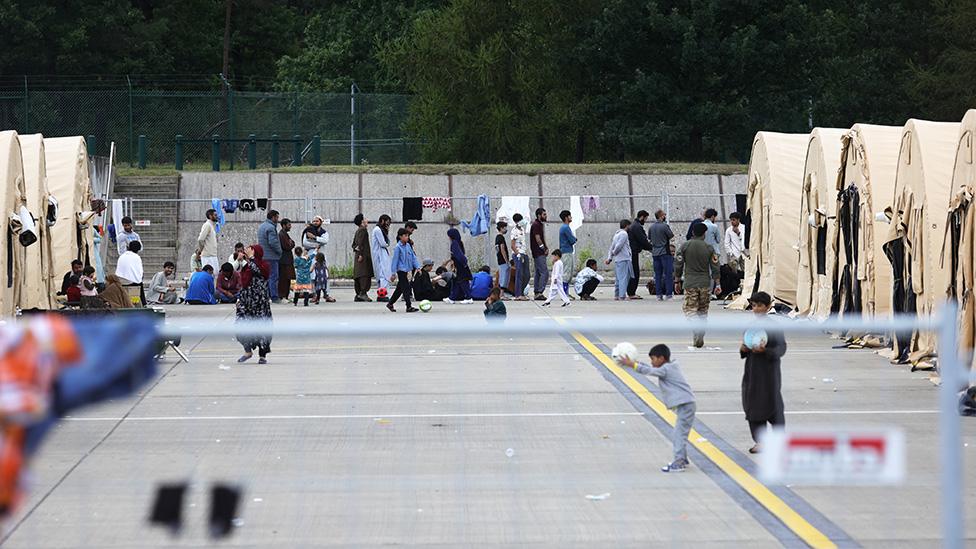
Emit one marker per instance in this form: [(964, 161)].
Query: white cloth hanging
[(512, 205), (576, 209)]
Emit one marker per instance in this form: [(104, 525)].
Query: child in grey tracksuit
[(677, 396)]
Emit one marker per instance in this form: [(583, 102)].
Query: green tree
[(943, 84)]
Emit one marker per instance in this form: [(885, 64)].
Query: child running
[(303, 275), (677, 396), (403, 264), (556, 280)]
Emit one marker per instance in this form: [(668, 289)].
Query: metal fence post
[(252, 152), (142, 152), (215, 153), (316, 150), (128, 83), (274, 150), (179, 152), (950, 431), (297, 155), (26, 107)]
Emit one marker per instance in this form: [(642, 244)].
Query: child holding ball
[(677, 396), (762, 378)]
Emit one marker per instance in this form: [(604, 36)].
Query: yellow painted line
[(793, 520)]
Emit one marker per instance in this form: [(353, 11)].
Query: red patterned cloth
[(436, 203)]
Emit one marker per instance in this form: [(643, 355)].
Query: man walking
[(697, 269), (362, 267), (567, 247), (286, 265), (621, 257), (638, 244), (207, 241), (540, 252), (735, 243), (660, 236), (126, 235), (269, 241)]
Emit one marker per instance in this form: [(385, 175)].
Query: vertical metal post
[(179, 152), (308, 209), (131, 144), (26, 107), (252, 152), (950, 432), (230, 118), (316, 150), (352, 125), (215, 153), (142, 152), (297, 154), (274, 150)]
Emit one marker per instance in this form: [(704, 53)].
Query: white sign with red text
[(832, 456)]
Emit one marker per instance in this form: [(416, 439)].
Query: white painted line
[(357, 416), (827, 412)]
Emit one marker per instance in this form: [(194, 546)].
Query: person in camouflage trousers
[(695, 267)]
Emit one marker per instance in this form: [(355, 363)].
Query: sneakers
[(468, 301), (678, 466), (262, 360), (390, 307), (412, 309), (546, 304), (448, 300), (539, 297), (329, 299), (566, 304)]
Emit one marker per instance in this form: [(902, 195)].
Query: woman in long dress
[(380, 247), (254, 303)]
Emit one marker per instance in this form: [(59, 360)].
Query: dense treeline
[(543, 80)]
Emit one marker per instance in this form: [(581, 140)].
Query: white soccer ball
[(754, 339), (424, 306), (624, 349)]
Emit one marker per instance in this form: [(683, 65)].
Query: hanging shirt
[(436, 202), (512, 205), (218, 205), (576, 210), (479, 222)]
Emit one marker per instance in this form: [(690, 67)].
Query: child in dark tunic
[(762, 379)]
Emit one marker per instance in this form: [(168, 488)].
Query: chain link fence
[(353, 128)]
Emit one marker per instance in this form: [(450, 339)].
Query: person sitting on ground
[(228, 284), (114, 294), (494, 306), (89, 290), (238, 259), (481, 283), (443, 283), (303, 274), (129, 266), (161, 289), (76, 268), (587, 280), (201, 288), (423, 287), (73, 292)]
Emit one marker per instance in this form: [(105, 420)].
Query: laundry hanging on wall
[(437, 203), (590, 203), (512, 205), (576, 210), (479, 222), (413, 208)]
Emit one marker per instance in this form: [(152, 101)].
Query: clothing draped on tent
[(774, 186), (918, 224), (818, 213), (50, 366)]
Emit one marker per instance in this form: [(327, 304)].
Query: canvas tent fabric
[(959, 246), (865, 187), (68, 181), (818, 212), (39, 286), (774, 185), (923, 185), (12, 253)]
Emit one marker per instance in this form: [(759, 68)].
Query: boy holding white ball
[(676, 391), (762, 378)]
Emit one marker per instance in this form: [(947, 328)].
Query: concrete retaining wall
[(339, 197)]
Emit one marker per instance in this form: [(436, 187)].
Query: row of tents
[(46, 205), (871, 220)]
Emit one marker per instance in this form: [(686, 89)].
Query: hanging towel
[(437, 202), (512, 205), (413, 208), (246, 205), (576, 209), (230, 205), (590, 203), (479, 222), (217, 204), (262, 204), (117, 215)]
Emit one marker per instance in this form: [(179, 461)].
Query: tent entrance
[(847, 293)]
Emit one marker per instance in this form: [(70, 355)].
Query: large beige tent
[(774, 185), (39, 287), (959, 248), (12, 253), (818, 210), (68, 182), (866, 185), (918, 222)]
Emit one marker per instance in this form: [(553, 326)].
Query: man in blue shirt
[(713, 236), (567, 246), (403, 263), (200, 290), (481, 283)]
